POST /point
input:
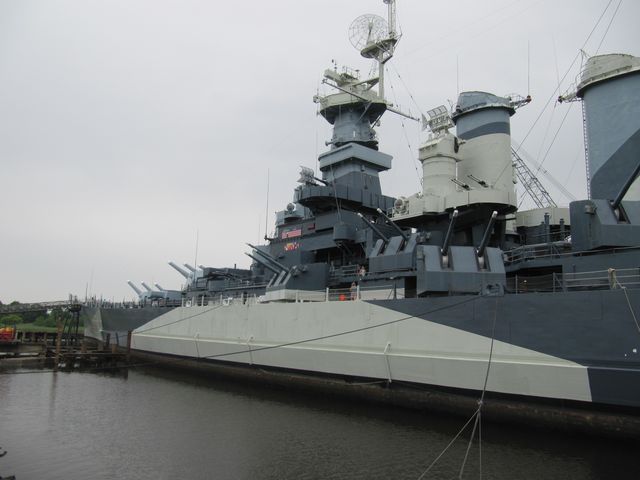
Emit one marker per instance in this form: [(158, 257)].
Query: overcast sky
[(129, 127)]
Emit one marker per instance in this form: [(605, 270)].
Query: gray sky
[(128, 126)]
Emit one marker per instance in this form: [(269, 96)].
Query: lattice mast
[(530, 182)]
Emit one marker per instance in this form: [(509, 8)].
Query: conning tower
[(335, 218), (353, 159)]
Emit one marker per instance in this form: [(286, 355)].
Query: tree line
[(39, 319)]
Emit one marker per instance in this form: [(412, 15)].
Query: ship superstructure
[(426, 289)]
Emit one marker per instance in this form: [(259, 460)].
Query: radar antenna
[(357, 107), (366, 31), (376, 39)]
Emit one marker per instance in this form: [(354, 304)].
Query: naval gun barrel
[(374, 228), (180, 270), (393, 224), (133, 285), (623, 191), (149, 289), (263, 263), (159, 287), (449, 235), (190, 268), (487, 234), (269, 257)]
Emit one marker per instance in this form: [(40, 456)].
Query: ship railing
[(611, 278), (546, 237), (537, 251), (553, 250), (352, 293), (337, 274), (538, 283), (222, 299), (357, 292), (558, 282), (108, 304)]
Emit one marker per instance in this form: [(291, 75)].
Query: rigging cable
[(555, 91), (484, 390), (546, 130), (335, 193), (612, 274), (573, 165), (456, 34), (447, 447), (608, 26), (554, 137), (633, 314), (406, 137), (395, 70)]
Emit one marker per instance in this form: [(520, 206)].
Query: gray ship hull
[(116, 322), (576, 348)]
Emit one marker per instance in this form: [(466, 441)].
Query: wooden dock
[(66, 352)]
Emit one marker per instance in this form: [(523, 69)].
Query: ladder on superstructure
[(530, 182), (586, 150)]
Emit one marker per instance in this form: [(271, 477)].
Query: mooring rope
[(476, 416), (612, 273), (635, 319)]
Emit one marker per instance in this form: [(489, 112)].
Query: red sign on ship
[(291, 233)]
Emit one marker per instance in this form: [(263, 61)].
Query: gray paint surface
[(594, 329), (612, 110)]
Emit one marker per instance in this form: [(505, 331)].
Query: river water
[(151, 424)]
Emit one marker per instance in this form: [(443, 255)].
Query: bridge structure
[(72, 304), (69, 328)]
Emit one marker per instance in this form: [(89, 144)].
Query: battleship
[(438, 297)]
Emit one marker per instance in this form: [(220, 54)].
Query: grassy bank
[(30, 327)]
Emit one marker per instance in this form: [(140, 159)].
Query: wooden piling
[(58, 341), (129, 335)]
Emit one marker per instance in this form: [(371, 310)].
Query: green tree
[(11, 319), (45, 321)]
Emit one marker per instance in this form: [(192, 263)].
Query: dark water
[(157, 425)]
